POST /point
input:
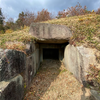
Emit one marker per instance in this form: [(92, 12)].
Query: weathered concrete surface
[(12, 89), (32, 65), (50, 33), (11, 63), (30, 48), (77, 60)]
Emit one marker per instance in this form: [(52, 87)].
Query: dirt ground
[(54, 82)]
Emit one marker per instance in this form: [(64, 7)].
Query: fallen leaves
[(49, 84)]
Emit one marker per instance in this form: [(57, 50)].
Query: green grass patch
[(62, 71)]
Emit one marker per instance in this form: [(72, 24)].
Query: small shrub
[(77, 10), (71, 73), (9, 31), (24, 27), (15, 45), (93, 77), (98, 11), (2, 32), (43, 15), (81, 19), (98, 59), (88, 18), (64, 70), (98, 19), (73, 11)]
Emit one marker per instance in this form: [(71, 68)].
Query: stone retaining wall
[(77, 60), (17, 70)]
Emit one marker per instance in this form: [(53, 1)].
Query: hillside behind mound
[(16, 40)]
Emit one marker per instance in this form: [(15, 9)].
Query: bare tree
[(29, 18), (43, 16)]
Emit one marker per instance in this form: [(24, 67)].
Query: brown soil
[(54, 82)]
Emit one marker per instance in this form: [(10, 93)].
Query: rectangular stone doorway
[(51, 53)]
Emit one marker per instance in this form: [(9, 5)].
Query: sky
[(12, 8)]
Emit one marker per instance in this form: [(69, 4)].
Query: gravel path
[(54, 82)]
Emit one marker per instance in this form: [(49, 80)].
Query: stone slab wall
[(77, 60), (17, 69), (12, 89), (50, 33), (11, 63)]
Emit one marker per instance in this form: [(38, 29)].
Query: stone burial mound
[(17, 69)]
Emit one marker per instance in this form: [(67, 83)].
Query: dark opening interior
[(51, 53)]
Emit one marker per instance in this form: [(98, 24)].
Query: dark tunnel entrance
[(51, 53)]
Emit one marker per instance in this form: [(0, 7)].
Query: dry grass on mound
[(85, 29), (15, 40)]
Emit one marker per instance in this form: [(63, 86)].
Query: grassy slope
[(85, 28), (15, 40)]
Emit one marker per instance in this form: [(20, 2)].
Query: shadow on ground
[(47, 73)]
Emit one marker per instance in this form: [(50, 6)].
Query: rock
[(50, 33), (32, 65), (30, 47), (11, 63), (29, 69), (12, 89), (77, 60), (95, 94)]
